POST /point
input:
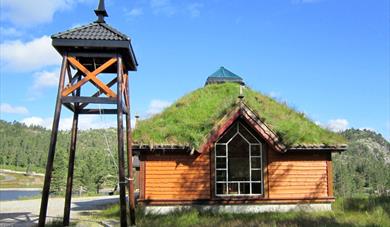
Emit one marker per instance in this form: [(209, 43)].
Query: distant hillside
[(374, 142), (365, 167), (27, 147)]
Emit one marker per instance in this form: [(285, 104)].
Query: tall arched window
[(238, 163)]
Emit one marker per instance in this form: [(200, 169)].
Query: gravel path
[(26, 212)]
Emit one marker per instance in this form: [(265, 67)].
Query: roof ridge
[(114, 30)]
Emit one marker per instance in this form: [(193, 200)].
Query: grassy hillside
[(18, 180), (190, 119)]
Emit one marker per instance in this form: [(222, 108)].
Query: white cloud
[(85, 122), (162, 7), (28, 13), (194, 9), (34, 121), (26, 56), (156, 106), (337, 125), (45, 78), (135, 12), (7, 108)]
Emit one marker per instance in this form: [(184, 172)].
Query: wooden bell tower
[(87, 52)]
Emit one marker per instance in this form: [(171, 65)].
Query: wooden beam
[(69, 182), (126, 91), (90, 54), (97, 111), (52, 146), (69, 106), (329, 170), (101, 100), (97, 94), (121, 161), (141, 180), (90, 76), (129, 155)]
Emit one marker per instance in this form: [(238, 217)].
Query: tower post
[(52, 146), (129, 155), (72, 154), (121, 157)]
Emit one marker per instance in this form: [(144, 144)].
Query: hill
[(365, 167), (26, 148)]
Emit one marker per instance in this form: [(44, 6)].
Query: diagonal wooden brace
[(90, 76)]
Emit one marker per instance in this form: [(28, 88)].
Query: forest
[(364, 169)]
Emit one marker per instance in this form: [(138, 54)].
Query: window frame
[(238, 124)]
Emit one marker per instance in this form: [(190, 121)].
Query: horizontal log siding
[(297, 175), (177, 177)]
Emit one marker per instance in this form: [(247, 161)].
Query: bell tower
[(90, 51)]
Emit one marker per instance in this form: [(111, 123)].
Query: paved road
[(26, 212)]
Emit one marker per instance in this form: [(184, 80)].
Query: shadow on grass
[(364, 204), (193, 217)]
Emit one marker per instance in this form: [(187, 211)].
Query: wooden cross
[(90, 76)]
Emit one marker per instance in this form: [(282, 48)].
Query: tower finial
[(101, 12)]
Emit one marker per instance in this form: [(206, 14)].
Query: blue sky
[(327, 58)]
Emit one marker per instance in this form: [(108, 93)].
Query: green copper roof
[(223, 75)]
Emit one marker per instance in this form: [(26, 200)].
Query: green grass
[(190, 119), (346, 212), (23, 169)]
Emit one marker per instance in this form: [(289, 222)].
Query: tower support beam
[(52, 146), (121, 157), (129, 158)]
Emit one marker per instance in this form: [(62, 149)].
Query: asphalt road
[(26, 212)]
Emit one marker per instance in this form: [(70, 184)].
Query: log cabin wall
[(299, 175), (176, 176)]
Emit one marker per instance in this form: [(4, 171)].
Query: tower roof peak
[(101, 12)]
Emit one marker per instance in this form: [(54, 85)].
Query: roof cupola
[(222, 75)]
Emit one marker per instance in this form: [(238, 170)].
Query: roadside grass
[(19, 180), (23, 169), (368, 211)]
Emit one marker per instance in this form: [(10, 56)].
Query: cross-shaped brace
[(90, 76)]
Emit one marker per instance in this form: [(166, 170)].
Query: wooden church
[(226, 147)]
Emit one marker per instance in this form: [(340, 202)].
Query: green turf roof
[(190, 119)]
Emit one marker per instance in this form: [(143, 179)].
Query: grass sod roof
[(190, 119)]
